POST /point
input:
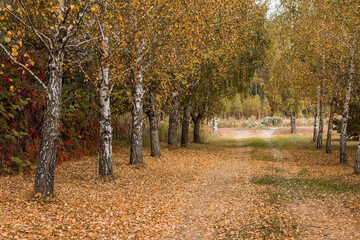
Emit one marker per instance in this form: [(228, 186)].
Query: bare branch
[(123, 72), (102, 31), (109, 92), (83, 42)]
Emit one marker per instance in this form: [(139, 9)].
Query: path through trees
[(223, 189)]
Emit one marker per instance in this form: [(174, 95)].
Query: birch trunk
[(316, 120), (50, 131), (105, 158), (45, 171), (293, 122), (136, 154), (319, 142), (185, 126), (154, 125), (345, 116), (173, 120), (321, 125), (330, 126), (215, 125), (357, 159)]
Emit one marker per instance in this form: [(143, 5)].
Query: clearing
[(273, 187)]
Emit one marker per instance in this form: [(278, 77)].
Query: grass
[(262, 156), (278, 142), (308, 186), (255, 142), (275, 227), (223, 140), (275, 169), (303, 173)]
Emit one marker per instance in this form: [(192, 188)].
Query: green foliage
[(353, 124), (272, 121), (241, 107), (79, 123), (20, 111), (255, 142), (278, 142)]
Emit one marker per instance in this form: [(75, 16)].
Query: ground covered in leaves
[(273, 188)]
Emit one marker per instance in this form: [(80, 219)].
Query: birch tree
[(55, 24), (102, 63)]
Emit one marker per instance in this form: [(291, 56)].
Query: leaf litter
[(202, 192)]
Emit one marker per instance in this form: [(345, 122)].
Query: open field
[(269, 188)]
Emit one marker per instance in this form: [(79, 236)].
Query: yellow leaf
[(7, 39)]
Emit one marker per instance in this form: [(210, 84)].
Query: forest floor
[(257, 188)]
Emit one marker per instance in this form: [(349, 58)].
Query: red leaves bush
[(22, 104)]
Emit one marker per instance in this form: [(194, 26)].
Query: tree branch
[(26, 68), (40, 35), (83, 42)]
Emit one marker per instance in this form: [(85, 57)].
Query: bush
[(272, 121)]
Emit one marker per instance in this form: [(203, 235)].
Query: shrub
[(272, 121)]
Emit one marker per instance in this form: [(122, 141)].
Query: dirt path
[(315, 218), (206, 191), (219, 201), (235, 133)]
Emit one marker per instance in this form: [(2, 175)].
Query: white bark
[(105, 158), (45, 172), (136, 154), (317, 113), (345, 117), (215, 124)]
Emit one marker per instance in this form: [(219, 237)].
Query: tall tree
[(55, 24), (345, 115)]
